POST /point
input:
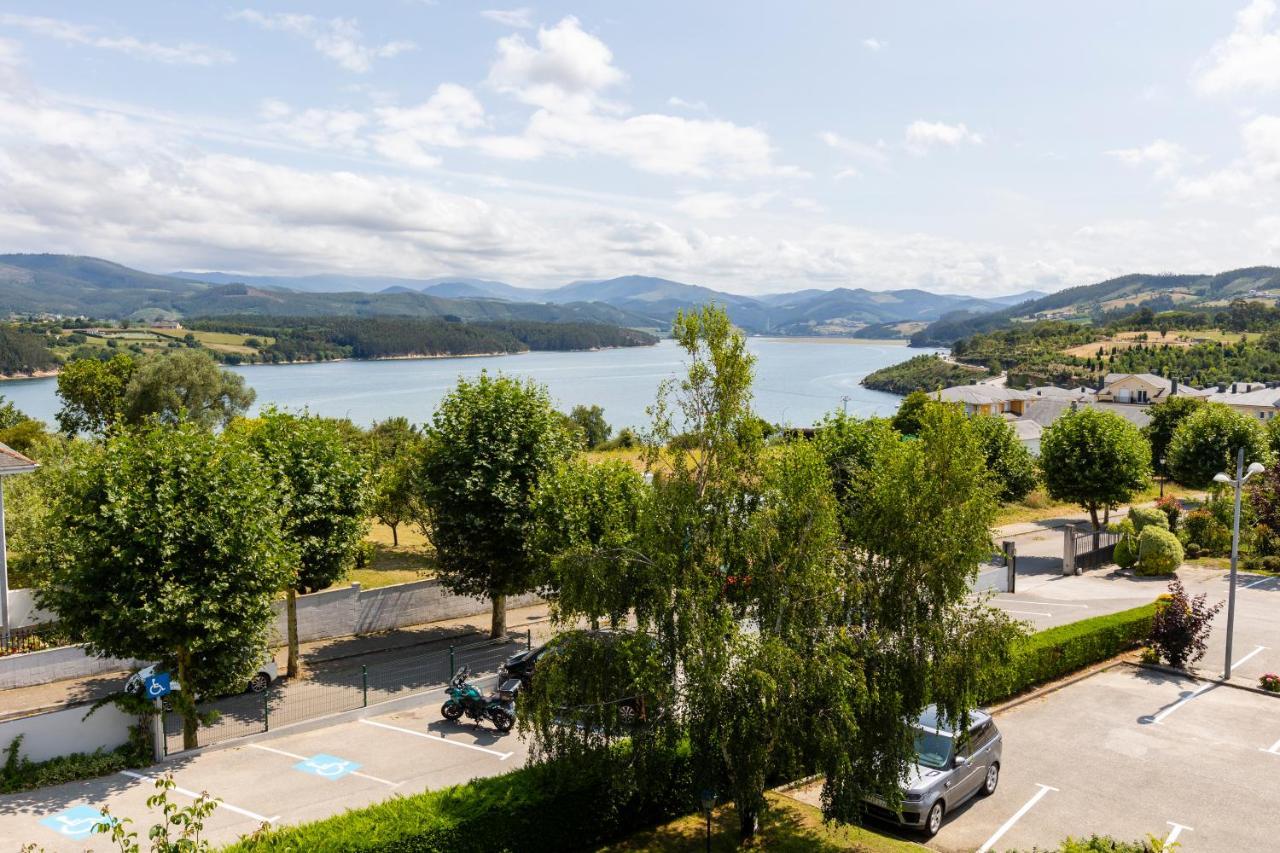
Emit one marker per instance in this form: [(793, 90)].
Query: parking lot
[(292, 778)]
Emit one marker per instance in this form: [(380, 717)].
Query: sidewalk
[(318, 655)]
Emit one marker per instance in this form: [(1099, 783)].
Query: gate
[(1086, 548), (1000, 573)]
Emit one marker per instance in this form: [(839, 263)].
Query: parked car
[(524, 664), (950, 768), (261, 680)]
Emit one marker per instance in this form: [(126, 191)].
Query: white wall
[(54, 665), (23, 610), (47, 736)]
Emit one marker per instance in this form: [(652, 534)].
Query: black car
[(523, 665)]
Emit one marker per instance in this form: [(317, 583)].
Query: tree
[(92, 393), (1159, 552), (185, 385), (590, 420), (907, 418), (394, 445), (849, 446), (164, 544), (1012, 466), (1165, 417), (490, 442), (1095, 459), (10, 415), (1207, 441), (322, 486)]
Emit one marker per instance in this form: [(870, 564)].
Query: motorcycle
[(465, 698)]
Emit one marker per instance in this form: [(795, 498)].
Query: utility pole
[(845, 401)]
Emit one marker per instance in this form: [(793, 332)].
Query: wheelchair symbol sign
[(76, 823), (157, 685), (327, 766)]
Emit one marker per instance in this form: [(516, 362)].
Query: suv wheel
[(933, 822), (993, 779), (259, 683)]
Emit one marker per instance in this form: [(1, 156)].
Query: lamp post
[(708, 803), (1238, 483)]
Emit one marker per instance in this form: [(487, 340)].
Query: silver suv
[(949, 770)]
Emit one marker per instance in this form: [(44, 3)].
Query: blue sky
[(982, 148)]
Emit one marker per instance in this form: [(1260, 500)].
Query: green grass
[(787, 825), (1038, 506), (412, 560)]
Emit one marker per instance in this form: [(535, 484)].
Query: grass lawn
[(788, 825), (412, 560), (1038, 506)]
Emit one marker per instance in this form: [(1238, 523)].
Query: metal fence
[(331, 692), (1085, 548), (34, 638)]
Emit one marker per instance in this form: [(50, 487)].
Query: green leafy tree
[(323, 490), (1012, 466), (849, 447), (910, 410), (394, 445), (185, 385), (1094, 458), (164, 544), (10, 415), (1207, 441), (590, 419), (92, 393), (1159, 552), (490, 442), (1165, 417)]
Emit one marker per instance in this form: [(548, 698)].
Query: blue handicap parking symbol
[(158, 685), (328, 766), (76, 823)]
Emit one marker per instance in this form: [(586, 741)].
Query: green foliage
[(92, 393), (1165, 418), (1181, 626), (1201, 527), (394, 447), (1055, 652), (184, 385), (1107, 844), (1172, 509), (1095, 459), (178, 831), (626, 439), (10, 415), (1126, 550), (590, 419), (27, 437), (1143, 517), (24, 352), (1207, 440), (848, 446), (20, 773), (164, 544), (907, 420), (1159, 552), (1012, 466), (922, 373), (490, 442)]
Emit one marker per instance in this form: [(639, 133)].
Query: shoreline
[(835, 339)]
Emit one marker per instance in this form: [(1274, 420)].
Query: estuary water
[(798, 380)]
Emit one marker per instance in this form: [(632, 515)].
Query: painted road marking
[(1184, 700), (1274, 750), (1173, 834), (76, 823), (193, 795), (1017, 816), (1026, 612), (1258, 582), (1048, 603), (502, 756), (1246, 657), (302, 758)]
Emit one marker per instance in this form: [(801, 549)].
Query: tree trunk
[(1093, 514), (748, 823), (395, 537), (190, 722), (499, 627), (291, 610)]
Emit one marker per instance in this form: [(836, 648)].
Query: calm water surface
[(797, 381)]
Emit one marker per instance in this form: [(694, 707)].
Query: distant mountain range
[(70, 284)]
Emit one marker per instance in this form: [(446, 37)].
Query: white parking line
[(1184, 700), (1026, 612), (502, 756), (1258, 583), (1048, 603), (305, 757), (1173, 834), (1246, 657), (1008, 824), (1274, 750), (193, 795)]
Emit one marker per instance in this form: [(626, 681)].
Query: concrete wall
[(23, 610), (54, 665), (47, 736)]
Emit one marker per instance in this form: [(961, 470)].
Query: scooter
[(465, 699)]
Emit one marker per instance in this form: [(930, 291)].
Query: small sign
[(157, 686), (76, 823), (327, 766)]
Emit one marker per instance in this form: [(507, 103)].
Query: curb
[(1054, 686), (1182, 673)]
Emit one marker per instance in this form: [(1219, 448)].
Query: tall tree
[(323, 490), (907, 420), (490, 442), (164, 544), (92, 393), (1011, 465), (1094, 458), (590, 419), (394, 446), (185, 385), (1165, 417), (1207, 442)]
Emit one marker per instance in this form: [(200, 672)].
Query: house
[(1141, 388), (166, 324), (1250, 398), (986, 399)]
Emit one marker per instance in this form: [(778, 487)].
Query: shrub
[(1192, 550), (1125, 554), (1202, 527), (363, 554), (20, 773), (1159, 552), (1271, 564), (1172, 510), (1181, 626), (1056, 652), (1143, 517), (1270, 682), (1107, 844)]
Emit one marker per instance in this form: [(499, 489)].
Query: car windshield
[(933, 750)]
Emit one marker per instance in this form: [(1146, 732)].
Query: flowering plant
[(1270, 682)]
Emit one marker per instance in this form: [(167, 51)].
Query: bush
[(1125, 554), (1181, 626), (1143, 517), (1172, 510), (1159, 552), (1107, 844), (1270, 682), (1271, 564), (20, 773), (1202, 527), (363, 554), (1059, 651), (1192, 550)]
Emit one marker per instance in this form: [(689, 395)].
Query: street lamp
[(708, 803), (1238, 483)]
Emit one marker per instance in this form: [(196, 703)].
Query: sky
[(981, 148)]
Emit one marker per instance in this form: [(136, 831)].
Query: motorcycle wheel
[(451, 710), (502, 721)]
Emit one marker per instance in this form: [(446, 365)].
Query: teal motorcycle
[(465, 699)]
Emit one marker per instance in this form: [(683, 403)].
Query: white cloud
[(922, 135), (1167, 157), (720, 205), (567, 69), (846, 174), (521, 18), (874, 154), (182, 53), (693, 106), (442, 121), (1254, 178), (1248, 59), (874, 44), (339, 39), (315, 128)]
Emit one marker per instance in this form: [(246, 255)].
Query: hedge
[(1055, 652), (19, 773)]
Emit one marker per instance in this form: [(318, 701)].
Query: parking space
[(1128, 752), (292, 778)]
